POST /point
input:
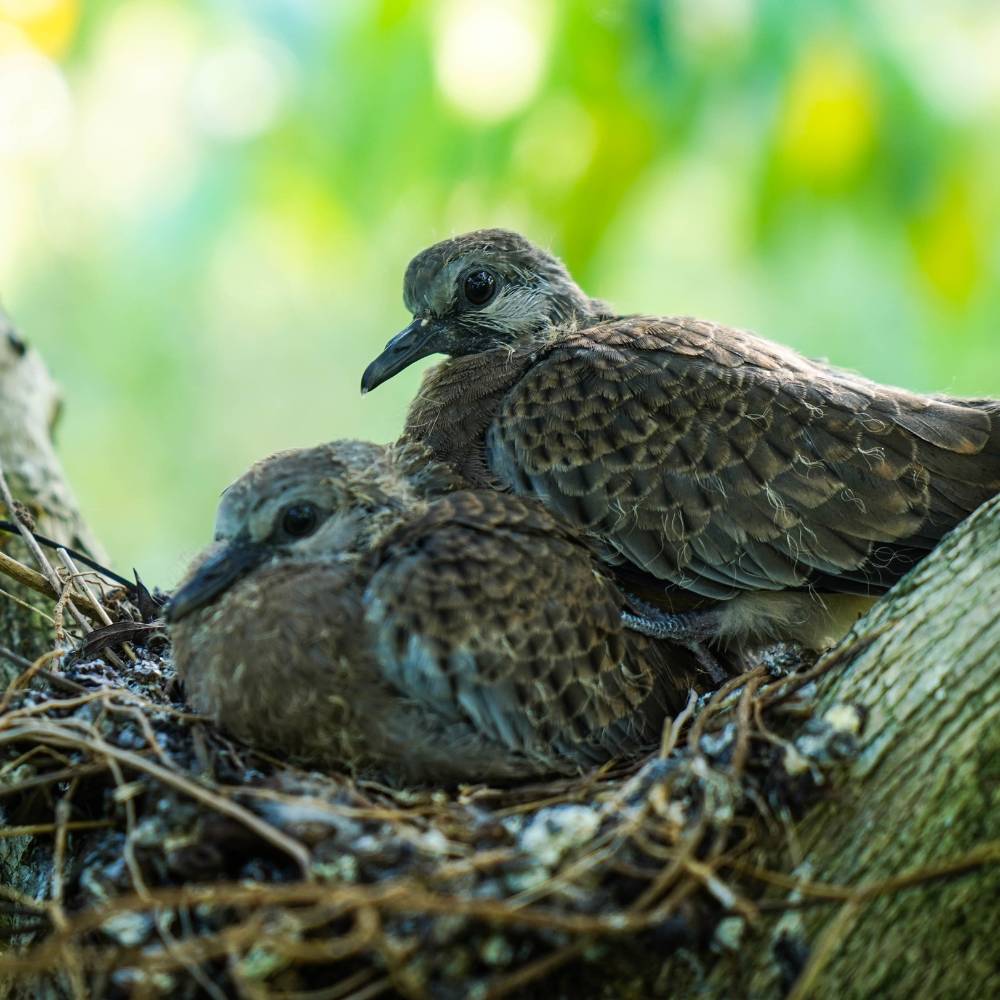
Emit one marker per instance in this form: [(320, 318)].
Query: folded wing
[(722, 463), (486, 607)]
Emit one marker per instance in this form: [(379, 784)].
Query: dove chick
[(355, 612)]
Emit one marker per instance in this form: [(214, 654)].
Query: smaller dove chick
[(352, 612)]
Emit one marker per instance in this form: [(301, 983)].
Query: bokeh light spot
[(949, 51), (36, 109), (489, 55), (711, 28), (137, 149), (240, 88)]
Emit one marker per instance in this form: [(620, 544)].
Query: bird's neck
[(457, 402)]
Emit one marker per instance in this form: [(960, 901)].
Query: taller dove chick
[(727, 470), (352, 612)]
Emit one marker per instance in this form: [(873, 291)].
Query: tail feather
[(962, 454)]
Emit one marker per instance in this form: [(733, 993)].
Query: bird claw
[(690, 628)]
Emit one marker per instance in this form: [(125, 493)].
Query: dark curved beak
[(417, 341), (214, 576)]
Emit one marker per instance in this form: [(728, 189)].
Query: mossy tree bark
[(922, 794), (29, 409)]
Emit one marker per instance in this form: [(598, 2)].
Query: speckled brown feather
[(456, 406), (716, 460), (511, 608)]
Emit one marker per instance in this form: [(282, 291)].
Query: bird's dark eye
[(299, 519), (480, 287)]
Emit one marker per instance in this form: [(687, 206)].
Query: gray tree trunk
[(924, 794), (29, 409), (921, 799)]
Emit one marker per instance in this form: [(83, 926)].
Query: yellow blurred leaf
[(48, 24), (948, 242), (828, 123)]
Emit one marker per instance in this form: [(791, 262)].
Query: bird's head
[(323, 504), (482, 290)]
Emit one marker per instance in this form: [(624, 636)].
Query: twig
[(61, 683), (27, 607), (397, 896), (534, 970), (57, 734), (35, 581), (131, 861), (49, 753), (59, 856), (36, 550), (77, 577), (28, 711), (849, 648), (36, 829), (363, 984), (20, 681), (173, 947), (110, 575), (984, 854), (50, 778), (20, 661), (57, 913), (669, 740), (26, 902), (821, 954), (717, 704)]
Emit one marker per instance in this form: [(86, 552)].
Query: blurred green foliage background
[(206, 208)]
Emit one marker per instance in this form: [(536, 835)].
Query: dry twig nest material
[(179, 863)]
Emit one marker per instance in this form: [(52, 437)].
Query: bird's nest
[(146, 854)]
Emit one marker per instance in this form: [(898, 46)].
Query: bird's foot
[(689, 628), (685, 627)]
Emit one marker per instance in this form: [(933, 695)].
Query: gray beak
[(417, 341), (219, 572)]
